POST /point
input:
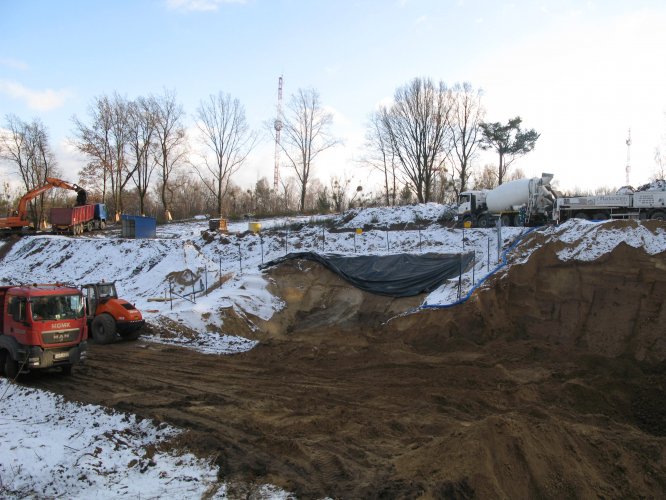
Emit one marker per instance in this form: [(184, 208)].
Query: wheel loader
[(110, 316)]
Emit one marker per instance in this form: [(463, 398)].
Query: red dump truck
[(42, 326), (75, 220)]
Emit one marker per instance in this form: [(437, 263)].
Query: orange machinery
[(20, 217)]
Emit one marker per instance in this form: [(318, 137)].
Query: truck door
[(17, 316), (91, 300)]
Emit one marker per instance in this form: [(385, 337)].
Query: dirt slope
[(549, 384)]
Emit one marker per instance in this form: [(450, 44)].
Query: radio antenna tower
[(278, 126), (628, 168)]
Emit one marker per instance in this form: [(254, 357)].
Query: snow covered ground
[(89, 452), (205, 274)]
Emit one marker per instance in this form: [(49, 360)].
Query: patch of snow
[(55, 448), (386, 216), (207, 342), (587, 241)]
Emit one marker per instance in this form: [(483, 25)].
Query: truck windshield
[(463, 198), (106, 291), (52, 307)]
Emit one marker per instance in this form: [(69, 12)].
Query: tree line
[(140, 157)]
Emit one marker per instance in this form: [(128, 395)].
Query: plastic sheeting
[(394, 275)]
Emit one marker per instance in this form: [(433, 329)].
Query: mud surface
[(549, 384)]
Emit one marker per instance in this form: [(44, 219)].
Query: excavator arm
[(20, 218)]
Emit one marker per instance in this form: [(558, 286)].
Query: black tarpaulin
[(395, 275)]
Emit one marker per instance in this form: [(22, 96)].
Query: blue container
[(135, 226), (100, 212)]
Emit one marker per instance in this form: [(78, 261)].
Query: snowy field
[(204, 274)]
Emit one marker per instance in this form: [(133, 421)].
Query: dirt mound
[(550, 383), (613, 306)]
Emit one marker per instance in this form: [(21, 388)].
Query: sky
[(582, 73)]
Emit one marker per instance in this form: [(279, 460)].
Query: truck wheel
[(103, 329), (582, 215), (11, 367), (483, 221), (2, 362), (658, 215), (506, 220)]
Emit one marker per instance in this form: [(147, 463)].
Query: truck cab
[(470, 204), (43, 326)]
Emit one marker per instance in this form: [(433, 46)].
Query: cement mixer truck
[(522, 202)]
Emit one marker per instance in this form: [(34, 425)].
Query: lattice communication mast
[(278, 126), (628, 168)]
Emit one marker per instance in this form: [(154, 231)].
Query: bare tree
[(171, 143), (340, 196), (381, 157), (7, 196), (94, 141), (466, 119), (26, 147), (141, 129), (120, 136), (191, 195), (105, 141), (659, 171), (305, 135), (227, 136), (487, 178), (417, 124), (288, 194)]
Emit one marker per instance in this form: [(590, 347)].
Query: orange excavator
[(19, 219)]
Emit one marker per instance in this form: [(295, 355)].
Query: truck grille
[(60, 337)]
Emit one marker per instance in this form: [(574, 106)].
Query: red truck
[(42, 326), (75, 220)]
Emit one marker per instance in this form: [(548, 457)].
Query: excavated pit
[(549, 383)]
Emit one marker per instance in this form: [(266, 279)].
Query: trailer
[(648, 202)]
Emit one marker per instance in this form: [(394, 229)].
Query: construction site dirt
[(550, 382)]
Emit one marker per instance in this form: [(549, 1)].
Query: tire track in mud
[(382, 420)]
